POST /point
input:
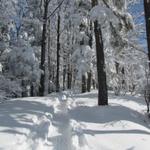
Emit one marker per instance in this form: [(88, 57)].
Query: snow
[(74, 122)]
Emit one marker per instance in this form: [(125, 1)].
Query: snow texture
[(74, 122)]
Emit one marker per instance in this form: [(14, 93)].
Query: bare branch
[(59, 5)]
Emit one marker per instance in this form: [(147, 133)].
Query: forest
[(74, 73)]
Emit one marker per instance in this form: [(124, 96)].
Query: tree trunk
[(31, 90), (69, 77), (102, 85), (58, 54), (89, 81), (64, 76), (94, 84), (147, 19), (24, 88), (49, 57), (83, 84), (43, 49)]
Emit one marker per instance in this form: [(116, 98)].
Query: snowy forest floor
[(74, 122)]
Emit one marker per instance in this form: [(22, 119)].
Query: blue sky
[(137, 10)]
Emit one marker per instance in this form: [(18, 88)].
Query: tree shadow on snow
[(93, 132), (13, 114), (87, 95), (109, 116), (127, 97)]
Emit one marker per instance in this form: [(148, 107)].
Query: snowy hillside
[(74, 122)]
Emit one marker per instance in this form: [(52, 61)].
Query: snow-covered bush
[(9, 88), (23, 62), (23, 65)]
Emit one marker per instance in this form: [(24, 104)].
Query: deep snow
[(74, 122)]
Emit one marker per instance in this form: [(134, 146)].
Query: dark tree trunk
[(83, 84), (117, 87), (94, 84), (24, 88), (43, 49), (69, 77), (123, 79), (49, 56), (101, 74), (117, 67), (89, 81), (64, 77), (32, 90), (147, 19), (90, 35), (58, 54)]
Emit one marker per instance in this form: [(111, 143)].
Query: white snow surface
[(74, 122)]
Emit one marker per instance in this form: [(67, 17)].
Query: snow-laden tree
[(18, 38), (8, 87), (111, 23), (70, 44), (23, 65)]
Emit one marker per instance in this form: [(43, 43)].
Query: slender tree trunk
[(117, 87), (89, 74), (123, 78), (147, 19), (65, 59), (102, 85), (84, 84), (58, 54), (24, 88), (69, 77), (89, 81), (49, 57), (32, 89), (43, 49), (94, 84), (64, 76)]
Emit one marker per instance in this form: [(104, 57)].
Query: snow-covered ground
[(74, 122)]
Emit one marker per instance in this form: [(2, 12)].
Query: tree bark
[(102, 85), (58, 54), (147, 19), (24, 88), (89, 81), (83, 84), (64, 76), (69, 76), (43, 49), (89, 74), (49, 56), (31, 90)]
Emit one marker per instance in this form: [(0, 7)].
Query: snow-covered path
[(65, 122), (61, 120)]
